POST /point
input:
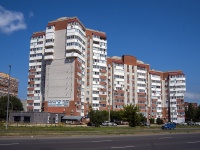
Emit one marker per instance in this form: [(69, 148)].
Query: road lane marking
[(102, 141), (165, 138), (10, 144), (193, 142), (122, 147)]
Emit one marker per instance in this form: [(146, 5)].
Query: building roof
[(75, 118)]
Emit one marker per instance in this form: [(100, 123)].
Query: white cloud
[(192, 96), (11, 21), (31, 14)]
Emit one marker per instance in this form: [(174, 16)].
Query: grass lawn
[(73, 130)]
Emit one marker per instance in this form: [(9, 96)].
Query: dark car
[(90, 124), (190, 123), (144, 123), (118, 122)]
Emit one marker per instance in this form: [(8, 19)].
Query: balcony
[(37, 88), (50, 30), (95, 82), (35, 64), (38, 57), (39, 51), (37, 94), (73, 47), (49, 44), (32, 46), (33, 40), (96, 45), (82, 86), (82, 106), (38, 76), (96, 39), (73, 54), (49, 50), (38, 82), (38, 69), (48, 57), (50, 36)]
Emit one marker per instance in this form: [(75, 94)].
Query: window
[(102, 105), (49, 27), (36, 104), (95, 92), (49, 40)]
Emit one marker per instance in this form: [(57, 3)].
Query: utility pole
[(147, 107), (109, 109), (8, 97), (149, 104)]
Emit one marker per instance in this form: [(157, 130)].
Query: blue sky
[(162, 33)]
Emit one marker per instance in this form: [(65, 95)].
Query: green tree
[(104, 115), (151, 120), (197, 114), (131, 115), (190, 112), (14, 105), (159, 121), (142, 117), (116, 115), (97, 117)]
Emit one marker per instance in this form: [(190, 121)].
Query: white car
[(197, 123), (107, 123), (114, 124), (183, 123)]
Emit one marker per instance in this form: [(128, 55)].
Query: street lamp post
[(8, 97)]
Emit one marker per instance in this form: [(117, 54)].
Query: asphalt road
[(135, 142)]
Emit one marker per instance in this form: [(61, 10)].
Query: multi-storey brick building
[(62, 61), (186, 104), (69, 70), (4, 85), (132, 81)]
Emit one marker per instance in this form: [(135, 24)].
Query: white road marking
[(165, 138), (10, 144), (193, 142), (123, 147), (102, 141)]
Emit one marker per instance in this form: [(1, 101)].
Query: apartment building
[(69, 70), (128, 83), (175, 86), (186, 104), (66, 62), (158, 94), (96, 71), (4, 85)]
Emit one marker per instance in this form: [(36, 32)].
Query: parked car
[(190, 123), (113, 124), (169, 125), (118, 122), (183, 123), (107, 123), (90, 124), (144, 124), (197, 123)]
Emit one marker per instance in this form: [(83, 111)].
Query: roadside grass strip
[(84, 130)]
